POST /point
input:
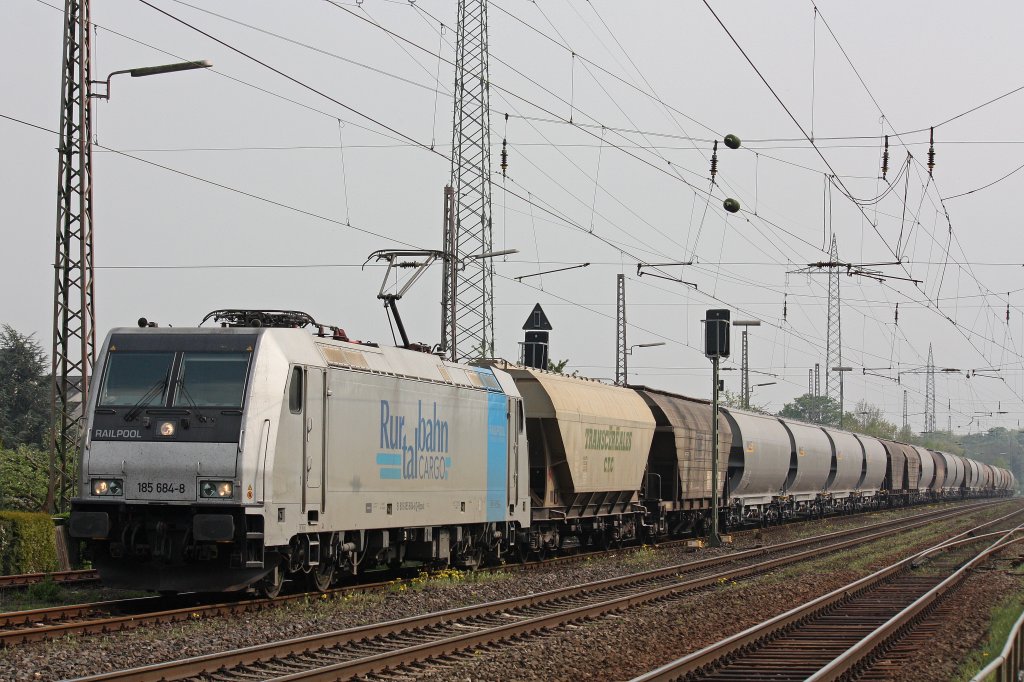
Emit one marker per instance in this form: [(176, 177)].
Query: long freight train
[(232, 457)]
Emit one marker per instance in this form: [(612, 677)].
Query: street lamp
[(150, 71), (74, 320), (745, 364), (841, 370), (750, 391), (629, 351)]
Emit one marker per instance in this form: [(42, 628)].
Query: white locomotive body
[(219, 458)]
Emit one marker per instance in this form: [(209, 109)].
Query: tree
[(727, 398), (818, 409), (557, 366), (24, 479), (868, 419), (24, 390)]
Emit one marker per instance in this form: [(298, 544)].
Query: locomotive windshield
[(130, 377), (211, 380)]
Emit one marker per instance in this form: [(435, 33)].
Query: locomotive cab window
[(131, 378), (295, 391), (211, 380)]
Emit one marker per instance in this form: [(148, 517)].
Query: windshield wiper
[(154, 391), (191, 402)]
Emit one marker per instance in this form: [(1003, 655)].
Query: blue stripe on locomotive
[(497, 455)]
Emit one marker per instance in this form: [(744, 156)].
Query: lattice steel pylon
[(906, 424), (834, 384), (468, 317), (74, 334), (621, 349), (929, 393)]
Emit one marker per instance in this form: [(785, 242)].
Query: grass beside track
[(48, 593), (1001, 619), (864, 559)]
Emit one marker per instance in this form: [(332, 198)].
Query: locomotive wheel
[(271, 585), (322, 576), (522, 551)]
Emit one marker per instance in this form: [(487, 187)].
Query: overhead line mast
[(467, 298), (834, 385), (74, 333)]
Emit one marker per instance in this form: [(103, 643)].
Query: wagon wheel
[(322, 576), (271, 585)]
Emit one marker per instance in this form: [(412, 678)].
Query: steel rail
[(856, 655), (59, 577), (115, 622), (556, 600), (765, 631)]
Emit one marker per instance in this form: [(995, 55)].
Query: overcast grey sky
[(247, 190)]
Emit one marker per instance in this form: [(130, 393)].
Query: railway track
[(860, 630), (21, 627), (370, 649), (59, 577)]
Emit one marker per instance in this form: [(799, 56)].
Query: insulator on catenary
[(714, 162), (785, 306), (504, 157), (1007, 313), (897, 313), (885, 158), (931, 151)]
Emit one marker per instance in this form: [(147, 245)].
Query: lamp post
[(751, 390), (74, 336), (841, 370), (629, 351), (150, 71), (745, 363)]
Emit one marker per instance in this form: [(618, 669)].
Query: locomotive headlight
[(217, 489), (165, 429), (107, 486)]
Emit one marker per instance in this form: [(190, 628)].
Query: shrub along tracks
[(363, 650)]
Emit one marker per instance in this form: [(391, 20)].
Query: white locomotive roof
[(303, 346), (404, 363)]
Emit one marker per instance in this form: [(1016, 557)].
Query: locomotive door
[(515, 428), (315, 441)]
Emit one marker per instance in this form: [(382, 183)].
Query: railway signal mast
[(716, 347)]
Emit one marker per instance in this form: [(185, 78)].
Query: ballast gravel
[(616, 647)]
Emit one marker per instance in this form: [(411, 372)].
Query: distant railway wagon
[(927, 469), (239, 456)]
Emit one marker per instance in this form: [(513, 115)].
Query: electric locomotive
[(220, 458)]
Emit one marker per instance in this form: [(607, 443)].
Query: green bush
[(27, 543), (46, 591)]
